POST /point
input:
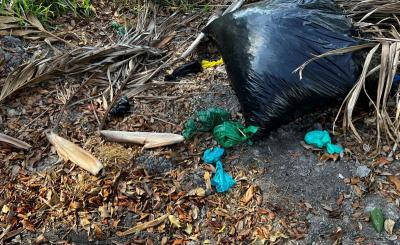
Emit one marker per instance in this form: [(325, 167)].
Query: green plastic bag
[(231, 133), (377, 219), (205, 121)]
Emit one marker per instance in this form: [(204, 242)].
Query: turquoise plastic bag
[(222, 180), (213, 156), (334, 149), (318, 138), (321, 139)]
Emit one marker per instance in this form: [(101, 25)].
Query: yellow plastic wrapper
[(208, 64)]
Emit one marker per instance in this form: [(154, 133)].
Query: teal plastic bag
[(321, 139), (222, 180), (205, 121), (318, 138), (211, 156), (231, 133), (334, 149)]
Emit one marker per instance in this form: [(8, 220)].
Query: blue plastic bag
[(222, 180), (211, 156)]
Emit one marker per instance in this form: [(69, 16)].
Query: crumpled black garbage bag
[(262, 44)]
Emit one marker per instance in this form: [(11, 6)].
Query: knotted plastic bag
[(231, 133), (204, 121), (321, 139), (222, 180)]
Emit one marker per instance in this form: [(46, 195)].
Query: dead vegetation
[(93, 77)]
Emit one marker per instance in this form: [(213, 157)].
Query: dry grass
[(378, 25)]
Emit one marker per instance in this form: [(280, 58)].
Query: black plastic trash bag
[(265, 42)]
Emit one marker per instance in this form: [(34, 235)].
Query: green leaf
[(377, 219)]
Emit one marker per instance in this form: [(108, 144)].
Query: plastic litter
[(121, 108), (396, 78), (222, 180), (318, 138), (209, 64), (231, 133), (334, 149), (192, 67), (263, 43), (120, 29), (377, 219), (205, 121), (321, 139), (211, 156)]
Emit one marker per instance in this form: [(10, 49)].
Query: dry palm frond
[(148, 139), (14, 142), (378, 24), (131, 61), (360, 10), (32, 29)]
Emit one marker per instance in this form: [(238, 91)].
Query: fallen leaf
[(97, 230), (340, 199), (325, 157), (382, 161), (143, 226), (395, 181), (354, 180), (222, 229), (70, 151), (327, 207), (40, 239), (389, 225), (248, 195), (5, 209), (189, 229), (200, 192), (103, 210), (166, 40), (85, 220), (358, 191), (376, 217), (308, 205), (276, 235), (175, 221), (28, 226), (177, 241), (359, 240), (207, 178)]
